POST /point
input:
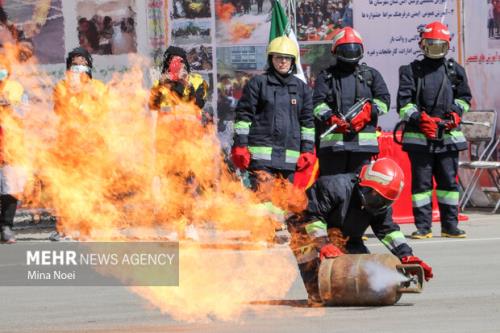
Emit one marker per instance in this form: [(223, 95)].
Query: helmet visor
[(373, 202), (349, 52), (435, 48)]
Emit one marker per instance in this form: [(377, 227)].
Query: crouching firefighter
[(432, 97), (341, 207)]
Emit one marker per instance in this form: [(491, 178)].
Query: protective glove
[(329, 251), (362, 118), (240, 157), (428, 125), (342, 125), (454, 120), (416, 260), (305, 160)]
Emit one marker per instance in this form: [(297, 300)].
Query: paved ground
[(464, 296)]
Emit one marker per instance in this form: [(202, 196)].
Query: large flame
[(115, 171)]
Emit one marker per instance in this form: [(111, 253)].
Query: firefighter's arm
[(406, 104), (307, 131), (381, 96), (155, 97), (390, 235), (245, 112), (463, 96), (321, 105)]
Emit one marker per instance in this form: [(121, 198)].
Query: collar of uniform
[(271, 78)]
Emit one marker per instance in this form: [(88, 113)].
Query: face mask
[(3, 74), (80, 69)]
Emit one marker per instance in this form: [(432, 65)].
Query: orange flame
[(114, 171), (241, 31)]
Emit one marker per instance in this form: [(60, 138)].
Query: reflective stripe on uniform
[(291, 156), (415, 138), (320, 110), (394, 239), (268, 208), (332, 139), (316, 229), (382, 107), (447, 197), (462, 104), (242, 127), (421, 199), (367, 139), (454, 136), (307, 133), (261, 153), (406, 111)]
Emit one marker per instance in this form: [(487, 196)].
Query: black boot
[(8, 206)]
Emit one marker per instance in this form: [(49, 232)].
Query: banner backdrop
[(389, 30)]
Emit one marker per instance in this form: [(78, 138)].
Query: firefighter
[(274, 127), (80, 104), (352, 144), (12, 98), (340, 208), (433, 95), (176, 101)]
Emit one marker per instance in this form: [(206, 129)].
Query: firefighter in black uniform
[(274, 127), (432, 97), (352, 144), (348, 204)]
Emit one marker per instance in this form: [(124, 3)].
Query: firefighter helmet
[(347, 45), (435, 40), (284, 46), (384, 176)]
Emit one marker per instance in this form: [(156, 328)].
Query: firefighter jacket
[(274, 119), (336, 89), (436, 86), (167, 95), (334, 202)]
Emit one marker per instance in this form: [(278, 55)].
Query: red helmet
[(435, 40), (348, 45), (384, 176)]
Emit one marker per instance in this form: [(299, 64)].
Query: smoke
[(381, 277)]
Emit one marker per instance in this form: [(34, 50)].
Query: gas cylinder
[(367, 280)]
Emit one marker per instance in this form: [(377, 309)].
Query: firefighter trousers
[(443, 167)]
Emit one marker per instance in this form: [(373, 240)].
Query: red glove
[(305, 160), (329, 251), (241, 157), (342, 125), (454, 120), (428, 125), (416, 260), (362, 118)]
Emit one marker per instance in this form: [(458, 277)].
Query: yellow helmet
[(283, 45)]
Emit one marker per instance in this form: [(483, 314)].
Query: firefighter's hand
[(454, 120), (240, 157), (428, 125), (329, 251), (305, 160), (342, 125), (416, 260), (362, 118)]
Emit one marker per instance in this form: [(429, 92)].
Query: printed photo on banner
[(315, 58), (493, 23), (37, 25), (191, 32), (107, 27), (190, 9), (242, 21), (200, 58), (317, 19)]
